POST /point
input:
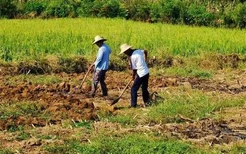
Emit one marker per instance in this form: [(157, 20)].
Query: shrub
[(138, 10), (72, 65), (111, 9), (240, 15), (59, 8), (84, 9), (171, 11), (35, 6), (198, 15), (33, 67), (7, 9), (155, 12), (118, 64), (96, 8), (229, 20), (193, 12)]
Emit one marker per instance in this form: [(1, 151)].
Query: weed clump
[(166, 62), (72, 64), (33, 67), (52, 65), (118, 64)]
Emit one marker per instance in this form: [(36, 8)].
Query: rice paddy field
[(62, 37), (197, 86)]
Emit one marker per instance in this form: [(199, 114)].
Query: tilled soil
[(68, 101), (77, 104)]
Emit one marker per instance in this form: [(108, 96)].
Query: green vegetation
[(15, 128), (34, 47), (135, 143), (35, 79), (84, 124), (184, 72), (239, 149), (15, 109), (6, 151), (21, 40), (124, 119), (193, 104), (23, 136), (194, 12)]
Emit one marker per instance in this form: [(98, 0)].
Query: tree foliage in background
[(224, 13), (7, 9)]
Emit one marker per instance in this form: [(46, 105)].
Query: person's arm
[(134, 72), (129, 63), (133, 67), (146, 55)]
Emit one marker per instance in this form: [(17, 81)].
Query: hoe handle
[(86, 75), (125, 88), (117, 99)]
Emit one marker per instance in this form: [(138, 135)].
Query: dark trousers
[(99, 77), (136, 85)]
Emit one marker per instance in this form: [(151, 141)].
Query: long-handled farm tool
[(85, 76), (117, 99)]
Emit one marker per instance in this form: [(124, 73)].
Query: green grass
[(239, 149), (190, 103), (6, 151), (23, 136), (193, 104), (123, 119), (136, 143), (34, 79), (22, 40), (30, 39), (16, 109), (84, 124), (185, 71)]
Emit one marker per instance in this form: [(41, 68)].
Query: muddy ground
[(66, 100)]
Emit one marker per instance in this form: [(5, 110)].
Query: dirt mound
[(54, 100), (69, 108)]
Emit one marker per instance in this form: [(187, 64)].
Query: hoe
[(85, 76), (117, 99)]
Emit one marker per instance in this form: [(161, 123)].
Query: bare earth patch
[(65, 101)]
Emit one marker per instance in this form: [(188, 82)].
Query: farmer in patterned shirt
[(100, 65)]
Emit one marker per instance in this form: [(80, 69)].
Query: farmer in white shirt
[(137, 60), (100, 65)]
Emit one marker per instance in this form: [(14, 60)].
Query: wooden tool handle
[(86, 75), (125, 88)]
